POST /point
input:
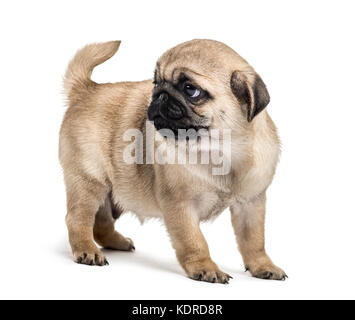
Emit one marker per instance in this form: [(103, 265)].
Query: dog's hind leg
[(104, 231), (84, 197)]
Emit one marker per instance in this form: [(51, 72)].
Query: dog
[(197, 85)]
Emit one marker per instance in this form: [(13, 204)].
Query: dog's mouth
[(179, 130)]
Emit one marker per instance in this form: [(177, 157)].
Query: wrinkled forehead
[(199, 60), (178, 70), (198, 75)]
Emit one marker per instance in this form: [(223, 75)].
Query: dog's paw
[(130, 245), (118, 242), (91, 258), (207, 271), (268, 272)]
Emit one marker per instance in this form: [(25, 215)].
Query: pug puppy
[(200, 84)]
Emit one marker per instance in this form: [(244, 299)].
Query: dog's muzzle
[(167, 112), (164, 107)]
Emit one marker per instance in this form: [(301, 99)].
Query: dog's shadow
[(143, 259), (137, 258)]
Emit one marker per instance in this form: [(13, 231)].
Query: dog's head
[(205, 84)]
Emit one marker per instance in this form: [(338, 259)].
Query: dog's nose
[(163, 97)]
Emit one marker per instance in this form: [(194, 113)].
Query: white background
[(304, 51)]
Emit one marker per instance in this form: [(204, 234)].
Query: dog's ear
[(254, 96)]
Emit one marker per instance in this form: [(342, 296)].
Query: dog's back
[(93, 107)]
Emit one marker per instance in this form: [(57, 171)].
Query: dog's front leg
[(191, 247), (248, 221)]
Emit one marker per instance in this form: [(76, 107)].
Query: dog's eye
[(191, 91)]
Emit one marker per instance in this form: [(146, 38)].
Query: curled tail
[(79, 71)]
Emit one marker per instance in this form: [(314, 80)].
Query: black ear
[(255, 96)]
